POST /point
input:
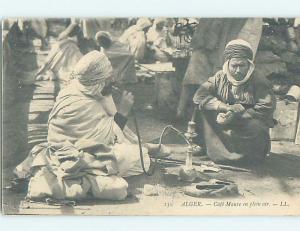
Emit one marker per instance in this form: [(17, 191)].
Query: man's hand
[(236, 108), (126, 103)]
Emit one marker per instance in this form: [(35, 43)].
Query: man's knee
[(255, 126), (109, 187)]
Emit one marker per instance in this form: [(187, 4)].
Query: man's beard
[(238, 77)]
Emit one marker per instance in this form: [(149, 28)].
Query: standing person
[(86, 30), (60, 61), (297, 31), (134, 37), (237, 108), (77, 39), (35, 28)]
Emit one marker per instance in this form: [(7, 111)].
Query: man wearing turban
[(208, 44), (89, 147), (237, 108)]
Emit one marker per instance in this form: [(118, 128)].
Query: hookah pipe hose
[(150, 172)]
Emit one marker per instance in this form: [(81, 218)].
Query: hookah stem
[(148, 173)]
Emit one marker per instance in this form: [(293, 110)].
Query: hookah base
[(187, 174)]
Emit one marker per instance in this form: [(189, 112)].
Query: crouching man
[(237, 109)]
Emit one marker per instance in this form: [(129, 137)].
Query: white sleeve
[(212, 104)]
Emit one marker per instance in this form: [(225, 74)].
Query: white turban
[(92, 69)]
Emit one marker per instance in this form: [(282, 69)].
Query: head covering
[(103, 34), (238, 49), (143, 23), (159, 21), (93, 68)]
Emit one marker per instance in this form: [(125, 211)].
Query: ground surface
[(278, 176)]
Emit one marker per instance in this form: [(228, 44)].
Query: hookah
[(187, 171)]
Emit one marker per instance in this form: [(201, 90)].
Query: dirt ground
[(279, 176)]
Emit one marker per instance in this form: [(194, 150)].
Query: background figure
[(60, 61), (35, 28), (86, 30), (77, 39), (120, 57), (63, 56), (297, 30), (158, 40), (208, 43), (135, 38)]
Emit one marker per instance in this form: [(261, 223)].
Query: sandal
[(213, 188)]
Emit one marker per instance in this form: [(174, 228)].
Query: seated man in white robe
[(89, 148)]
